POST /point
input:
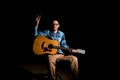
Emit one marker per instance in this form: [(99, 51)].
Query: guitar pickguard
[(45, 49), (42, 45)]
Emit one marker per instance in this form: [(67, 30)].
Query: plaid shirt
[(59, 36)]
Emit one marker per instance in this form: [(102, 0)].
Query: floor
[(38, 72)]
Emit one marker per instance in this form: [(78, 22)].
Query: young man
[(58, 35)]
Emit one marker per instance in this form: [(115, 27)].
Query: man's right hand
[(38, 19)]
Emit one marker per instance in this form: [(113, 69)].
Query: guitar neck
[(56, 47)]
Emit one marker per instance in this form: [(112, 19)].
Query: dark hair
[(57, 21)]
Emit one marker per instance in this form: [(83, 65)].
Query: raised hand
[(38, 19)]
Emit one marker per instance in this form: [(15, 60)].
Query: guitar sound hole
[(50, 46)]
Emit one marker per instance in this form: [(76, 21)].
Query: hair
[(56, 20)]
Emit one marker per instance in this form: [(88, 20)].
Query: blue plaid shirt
[(59, 36)]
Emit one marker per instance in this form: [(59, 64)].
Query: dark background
[(84, 25)]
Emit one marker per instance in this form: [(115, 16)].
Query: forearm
[(36, 30)]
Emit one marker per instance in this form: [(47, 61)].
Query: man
[(58, 35)]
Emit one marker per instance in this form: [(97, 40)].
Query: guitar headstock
[(81, 51)]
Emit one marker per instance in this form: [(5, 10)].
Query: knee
[(74, 58)]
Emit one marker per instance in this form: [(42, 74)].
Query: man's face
[(55, 25)]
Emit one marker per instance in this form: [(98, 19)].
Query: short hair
[(57, 21)]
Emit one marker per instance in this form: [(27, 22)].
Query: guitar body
[(41, 45)]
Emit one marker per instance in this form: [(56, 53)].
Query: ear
[(59, 25)]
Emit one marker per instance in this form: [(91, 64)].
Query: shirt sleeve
[(36, 31), (63, 42), (40, 33)]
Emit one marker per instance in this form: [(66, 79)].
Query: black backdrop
[(81, 25), (78, 24)]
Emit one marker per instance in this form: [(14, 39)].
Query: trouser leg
[(52, 64), (74, 64)]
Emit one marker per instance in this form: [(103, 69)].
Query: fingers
[(38, 17)]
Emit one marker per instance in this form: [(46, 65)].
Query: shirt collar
[(57, 32)]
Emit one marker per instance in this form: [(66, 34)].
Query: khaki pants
[(52, 63)]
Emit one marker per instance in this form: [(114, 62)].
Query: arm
[(37, 24), (44, 33), (63, 42), (41, 33), (36, 31)]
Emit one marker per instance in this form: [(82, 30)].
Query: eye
[(55, 24)]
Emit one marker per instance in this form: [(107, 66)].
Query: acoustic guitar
[(43, 45)]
